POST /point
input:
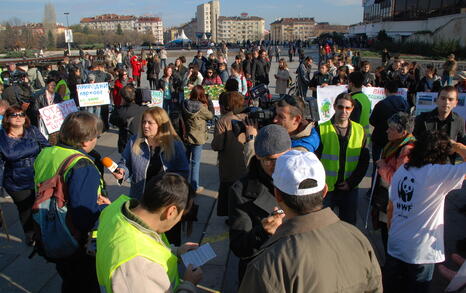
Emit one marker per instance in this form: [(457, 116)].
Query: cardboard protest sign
[(93, 94), (427, 101), (156, 99), (216, 107), (213, 91), (54, 115)]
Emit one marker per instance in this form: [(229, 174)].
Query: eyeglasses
[(341, 107), (22, 115)]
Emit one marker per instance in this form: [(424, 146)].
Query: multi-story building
[(325, 27), (402, 18), (110, 22), (292, 29), (243, 28), (207, 15)]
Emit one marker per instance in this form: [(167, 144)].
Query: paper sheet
[(199, 256), (459, 280)]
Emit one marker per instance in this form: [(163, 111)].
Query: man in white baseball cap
[(313, 250)]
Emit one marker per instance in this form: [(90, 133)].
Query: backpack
[(54, 235)]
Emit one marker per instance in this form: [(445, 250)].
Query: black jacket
[(428, 121), (424, 86), (260, 71), (369, 78), (128, 120), (379, 116), (39, 102), (250, 200)]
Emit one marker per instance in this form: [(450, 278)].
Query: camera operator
[(19, 92), (253, 211), (289, 113)]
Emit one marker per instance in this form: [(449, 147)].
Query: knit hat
[(293, 168), (272, 139)]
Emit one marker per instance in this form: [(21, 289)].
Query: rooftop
[(290, 20), (116, 17), (220, 18)]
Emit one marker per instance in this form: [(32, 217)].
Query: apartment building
[(207, 15), (242, 28), (292, 29), (110, 22)]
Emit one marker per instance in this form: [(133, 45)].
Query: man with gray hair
[(253, 212), (313, 250)]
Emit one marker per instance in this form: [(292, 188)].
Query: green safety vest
[(118, 241), (331, 151), (67, 92), (365, 111)]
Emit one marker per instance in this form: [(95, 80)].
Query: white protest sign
[(93, 94), (325, 98), (216, 107), (53, 115), (156, 99), (377, 94), (426, 101)]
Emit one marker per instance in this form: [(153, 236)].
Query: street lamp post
[(68, 25)]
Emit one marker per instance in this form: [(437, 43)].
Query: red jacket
[(136, 65), (116, 91)]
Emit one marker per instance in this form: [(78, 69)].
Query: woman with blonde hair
[(155, 150), (282, 77)]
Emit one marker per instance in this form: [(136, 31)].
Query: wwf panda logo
[(406, 189)]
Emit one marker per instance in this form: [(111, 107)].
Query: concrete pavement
[(20, 274)]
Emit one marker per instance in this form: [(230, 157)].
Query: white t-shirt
[(418, 197)]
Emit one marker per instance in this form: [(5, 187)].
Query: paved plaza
[(18, 273)]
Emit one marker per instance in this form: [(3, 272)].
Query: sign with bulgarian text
[(54, 115), (93, 94), (327, 95), (156, 99), (213, 91)]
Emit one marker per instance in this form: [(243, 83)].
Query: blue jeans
[(163, 63), (93, 109), (399, 276), (193, 153), (347, 203)]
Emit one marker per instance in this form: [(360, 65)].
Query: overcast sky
[(176, 12)]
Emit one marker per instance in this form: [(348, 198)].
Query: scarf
[(392, 147)]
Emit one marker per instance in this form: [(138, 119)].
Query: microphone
[(110, 164)]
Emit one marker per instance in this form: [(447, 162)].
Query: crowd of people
[(289, 189)]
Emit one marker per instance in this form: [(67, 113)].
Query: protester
[(153, 71), (383, 110), (362, 104), (345, 157), (85, 191), (3, 107), (152, 264), (282, 77), (223, 72), (127, 117), (75, 77), (231, 160), (163, 58), (407, 80), (415, 212), (251, 199), (167, 86), (385, 57), (211, 78), (260, 69), (368, 77), (61, 84), (155, 149), (137, 68), (320, 79), (195, 115), (395, 153), (20, 143), (461, 85), (122, 81), (200, 61), (237, 74), (303, 78), (431, 82), (442, 118), (449, 70), (312, 251), (192, 77), (180, 70)]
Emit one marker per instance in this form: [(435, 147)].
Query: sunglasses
[(17, 115), (341, 107)]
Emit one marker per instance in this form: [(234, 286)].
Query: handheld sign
[(54, 115), (93, 94)]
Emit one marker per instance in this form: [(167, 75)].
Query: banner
[(426, 101), (93, 94), (156, 99), (53, 116), (213, 91), (327, 95), (325, 98)]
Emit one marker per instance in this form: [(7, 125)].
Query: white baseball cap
[(293, 167)]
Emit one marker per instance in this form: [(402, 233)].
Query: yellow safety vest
[(365, 111), (331, 151), (118, 241)]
